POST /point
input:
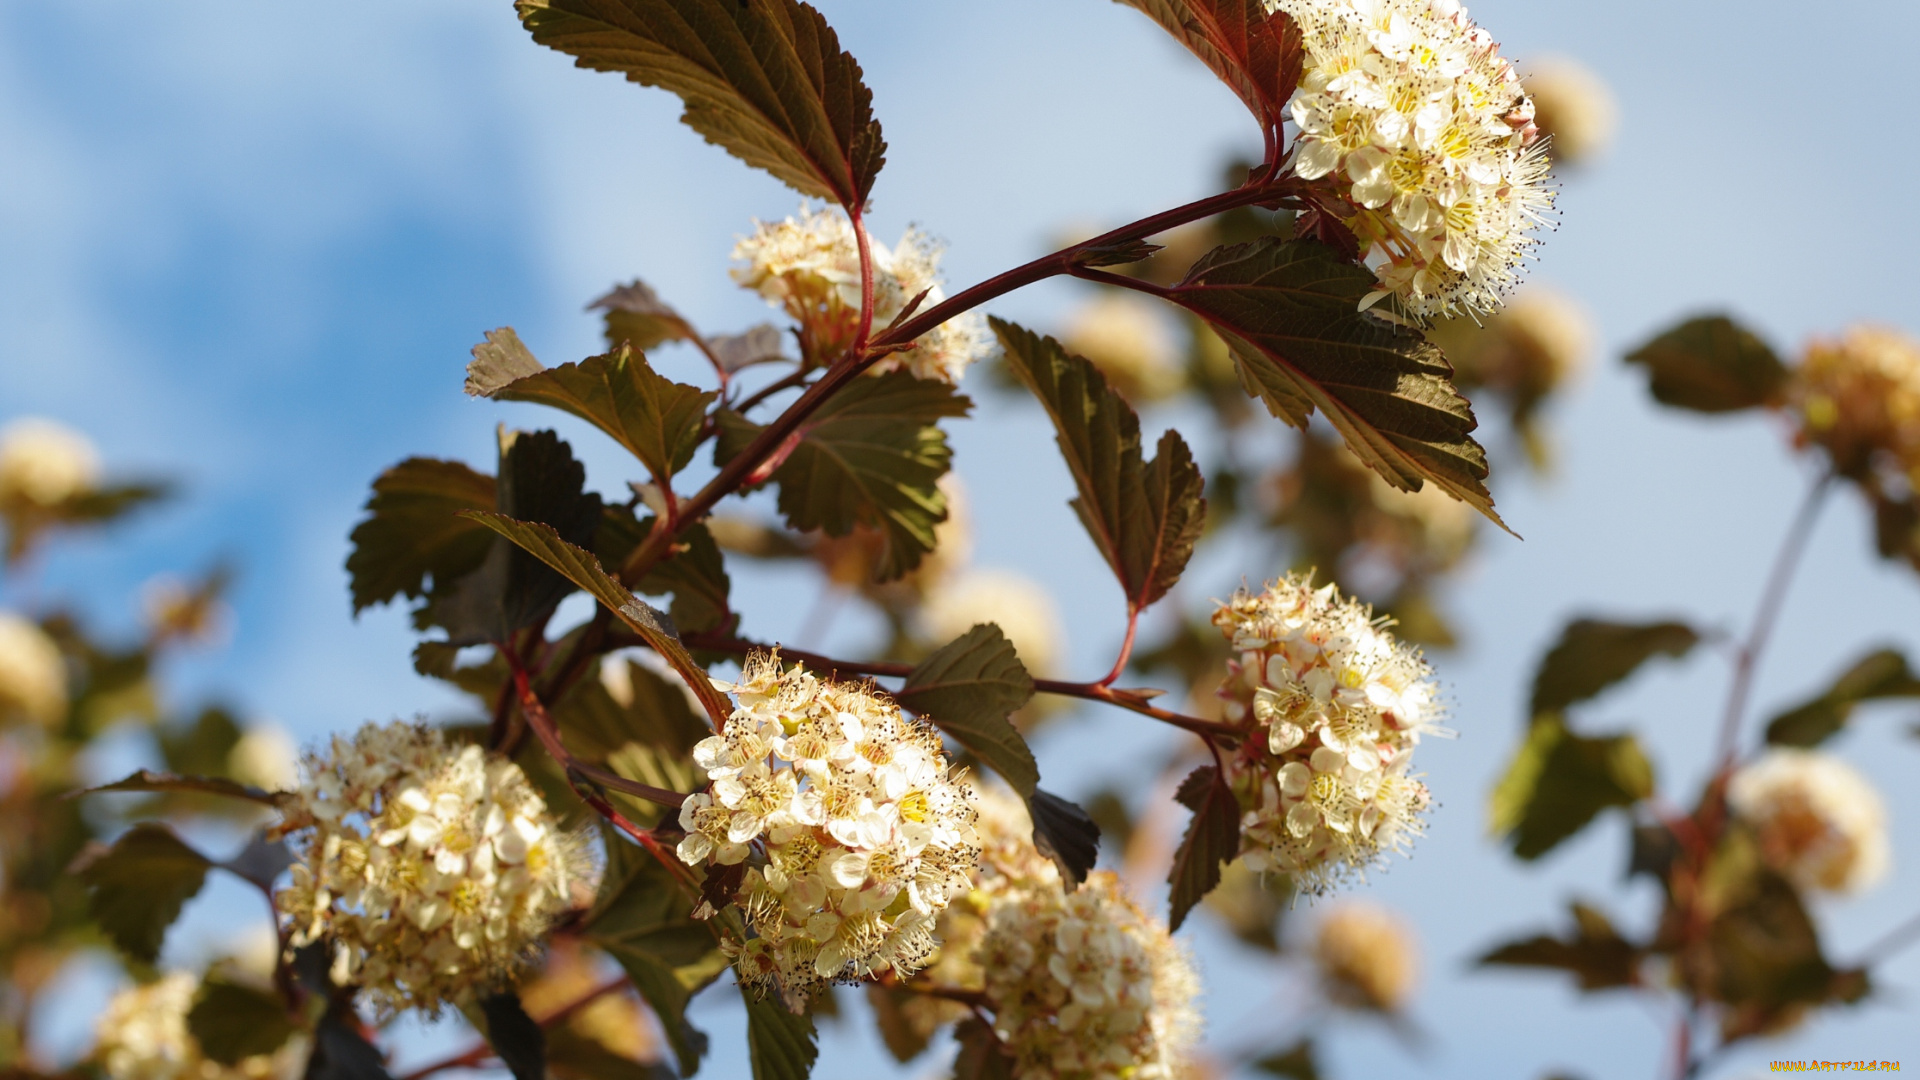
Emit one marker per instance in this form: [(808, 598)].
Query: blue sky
[(249, 245)]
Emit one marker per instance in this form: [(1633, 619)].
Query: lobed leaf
[(1257, 53), (138, 886), (641, 919), (763, 79), (780, 1045), (1596, 954), (1711, 365), (539, 481), (1213, 838), (148, 780), (1289, 313), (1144, 516), (1065, 834), (517, 1040), (1594, 654), (872, 455), (1559, 782), (411, 534), (658, 420), (970, 688), (233, 1020), (695, 575), (572, 1055), (1879, 675), (636, 316), (904, 1039), (582, 569)]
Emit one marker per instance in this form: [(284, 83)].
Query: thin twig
[(1126, 646), (787, 382), (549, 736), (1891, 942), (1771, 601)]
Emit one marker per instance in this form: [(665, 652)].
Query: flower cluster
[(143, 1036), (1334, 707), (1429, 139), (856, 833), (1817, 821), (1859, 398), (810, 266), (33, 674), (43, 464), (1124, 336), (432, 869), (1082, 984), (1367, 956)]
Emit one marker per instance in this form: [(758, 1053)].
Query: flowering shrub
[(654, 796)]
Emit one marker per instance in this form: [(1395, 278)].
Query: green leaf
[(969, 688), (1711, 365), (872, 456), (1288, 311), (981, 1057), (1144, 516), (696, 577), (1256, 53), (516, 1039), (1559, 782), (498, 361), (636, 316), (649, 712), (1296, 1062), (411, 533), (540, 481), (642, 919), (202, 746), (1593, 654), (572, 1055), (656, 419), (148, 780), (233, 1020), (780, 1045), (1213, 838), (1877, 676), (584, 570), (139, 885), (1763, 959), (763, 79), (1596, 954)]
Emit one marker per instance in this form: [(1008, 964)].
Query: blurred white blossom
[(33, 674), (43, 463), (1367, 955), (143, 1036), (1023, 609), (1572, 107), (1818, 821)]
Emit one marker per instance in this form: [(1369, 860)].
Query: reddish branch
[(1134, 701)]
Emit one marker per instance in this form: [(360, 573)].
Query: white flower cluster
[(1818, 821), (855, 832), (44, 464), (1334, 707), (33, 674), (1367, 956), (1859, 397), (810, 266), (143, 1035), (1083, 985), (433, 870), (1412, 107)]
